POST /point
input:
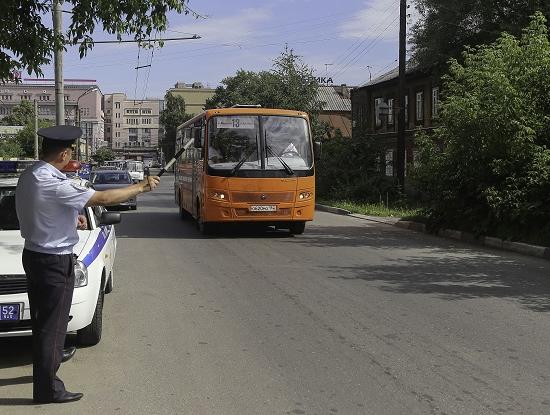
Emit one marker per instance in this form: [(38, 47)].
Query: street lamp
[(91, 89)]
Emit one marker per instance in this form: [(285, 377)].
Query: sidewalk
[(488, 241)]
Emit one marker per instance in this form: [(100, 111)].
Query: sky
[(347, 40)]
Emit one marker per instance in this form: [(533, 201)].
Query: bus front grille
[(242, 212), (262, 197)]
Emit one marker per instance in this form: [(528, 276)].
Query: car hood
[(11, 247), (110, 186)]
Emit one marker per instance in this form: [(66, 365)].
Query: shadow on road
[(167, 225), (423, 264), (15, 351), (16, 401)]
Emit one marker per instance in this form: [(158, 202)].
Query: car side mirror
[(317, 150), (109, 218)]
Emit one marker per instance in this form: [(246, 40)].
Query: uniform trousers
[(50, 285)]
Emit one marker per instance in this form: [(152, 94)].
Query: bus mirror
[(317, 150)]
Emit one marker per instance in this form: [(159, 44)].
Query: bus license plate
[(9, 312), (263, 208)]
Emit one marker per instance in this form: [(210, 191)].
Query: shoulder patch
[(80, 184)]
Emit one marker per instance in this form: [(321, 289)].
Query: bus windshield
[(237, 140)]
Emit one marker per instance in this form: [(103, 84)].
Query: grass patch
[(373, 209)]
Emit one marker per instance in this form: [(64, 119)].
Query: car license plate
[(263, 208), (9, 312)]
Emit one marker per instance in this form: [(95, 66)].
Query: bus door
[(196, 179)]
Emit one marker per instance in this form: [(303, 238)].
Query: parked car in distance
[(113, 179)]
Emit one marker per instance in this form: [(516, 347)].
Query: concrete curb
[(488, 241), (330, 209)]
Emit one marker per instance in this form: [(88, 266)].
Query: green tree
[(103, 154), (290, 84), (23, 114), (27, 40), (10, 148), (487, 168), (170, 118), (446, 27)]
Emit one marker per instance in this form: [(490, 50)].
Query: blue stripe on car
[(99, 243)]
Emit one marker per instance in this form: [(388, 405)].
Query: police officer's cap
[(61, 134)]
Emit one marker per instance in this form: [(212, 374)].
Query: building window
[(132, 111), (84, 112), (66, 98), (5, 97), (146, 111), (146, 120), (117, 115), (133, 121), (117, 105), (419, 106), (390, 111), (108, 129), (435, 102), (108, 112), (117, 125), (117, 134), (389, 163), (377, 118)]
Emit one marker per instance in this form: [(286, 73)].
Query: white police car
[(95, 253)]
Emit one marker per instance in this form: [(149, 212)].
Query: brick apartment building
[(132, 126), (82, 95)]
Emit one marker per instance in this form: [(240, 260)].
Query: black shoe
[(62, 398), (68, 353)]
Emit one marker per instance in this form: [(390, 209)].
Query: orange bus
[(246, 164)]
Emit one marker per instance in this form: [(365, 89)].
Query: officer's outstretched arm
[(114, 196)]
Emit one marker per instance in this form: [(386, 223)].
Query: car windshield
[(8, 216), (236, 139), (118, 177)]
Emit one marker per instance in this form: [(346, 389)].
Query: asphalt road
[(352, 317)]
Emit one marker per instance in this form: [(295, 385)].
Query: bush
[(487, 168)]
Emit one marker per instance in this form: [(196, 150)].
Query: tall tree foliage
[(290, 84), (487, 168), (26, 43), (23, 143), (103, 154), (171, 117), (446, 27)]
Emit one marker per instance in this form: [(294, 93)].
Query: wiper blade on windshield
[(239, 164), (286, 166)]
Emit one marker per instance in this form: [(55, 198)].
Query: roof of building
[(332, 100), (388, 76)]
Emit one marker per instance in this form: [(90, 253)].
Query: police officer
[(47, 204)]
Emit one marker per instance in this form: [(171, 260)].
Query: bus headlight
[(305, 195), (80, 274), (218, 195)]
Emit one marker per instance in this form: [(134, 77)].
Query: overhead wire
[(355, 45), (365, 49)]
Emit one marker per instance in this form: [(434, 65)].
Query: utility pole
[(58, 62), (400, 159), (35, 130)]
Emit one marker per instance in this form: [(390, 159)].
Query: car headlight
[(80, 274), (305, 195), (218, 195)]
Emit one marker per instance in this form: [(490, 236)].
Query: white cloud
[(375, 17), (227, 29)]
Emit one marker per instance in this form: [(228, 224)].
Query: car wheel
[(109, 287), (297, 228), (184, 215), (91, 334)]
